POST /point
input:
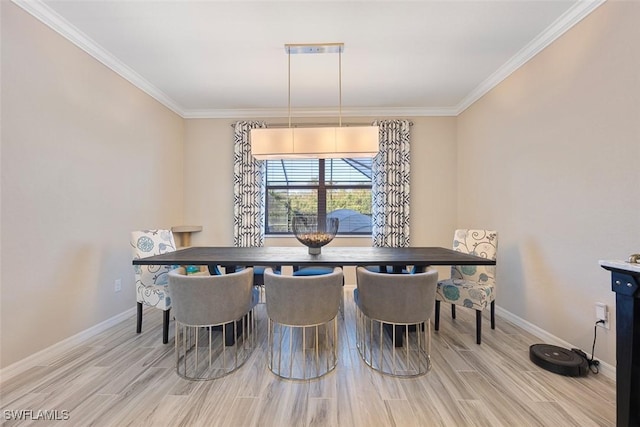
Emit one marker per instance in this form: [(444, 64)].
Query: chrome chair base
[(302, 352), (201, 353), (376, 343)]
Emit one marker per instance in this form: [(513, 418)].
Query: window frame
[(321, 187)]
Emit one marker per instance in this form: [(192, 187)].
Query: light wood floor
[(120, 378)]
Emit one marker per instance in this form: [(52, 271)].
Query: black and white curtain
[(248, 189), (390, 185)]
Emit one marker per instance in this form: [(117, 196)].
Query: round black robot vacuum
[(572, 363)]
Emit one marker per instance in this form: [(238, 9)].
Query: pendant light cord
[(288, 47), (289, 82), (340, 87)]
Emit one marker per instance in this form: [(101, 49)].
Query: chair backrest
[(303, 300), (397, 298), (210, 300), (482, 243), (146, 243)]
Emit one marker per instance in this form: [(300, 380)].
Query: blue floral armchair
[(152, 280), (471, 286)]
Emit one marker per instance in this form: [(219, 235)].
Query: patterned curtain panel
[(390, 185), (248, 189)]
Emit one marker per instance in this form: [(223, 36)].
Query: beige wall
[(209, 182), (86, 158), (551, 159)]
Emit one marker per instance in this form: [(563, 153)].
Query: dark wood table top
[(299, 255)]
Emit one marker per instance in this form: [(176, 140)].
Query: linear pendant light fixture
[(318, 141)]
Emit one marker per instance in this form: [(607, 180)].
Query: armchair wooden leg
[(139, 320), (478, 325), (436, 319), (165, 327), (453, 311), (493, 314)]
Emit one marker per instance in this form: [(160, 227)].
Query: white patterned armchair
[(470, 285), (152, 280)]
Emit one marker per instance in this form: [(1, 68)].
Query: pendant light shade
[(314, 142), (317, 141)]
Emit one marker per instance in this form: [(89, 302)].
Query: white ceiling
[(227, 58)]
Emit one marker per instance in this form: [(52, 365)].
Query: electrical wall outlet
[(602, 313), (117, 286)]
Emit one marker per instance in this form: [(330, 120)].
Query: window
[(334, 188)]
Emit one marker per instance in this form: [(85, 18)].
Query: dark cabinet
[(625, 283)]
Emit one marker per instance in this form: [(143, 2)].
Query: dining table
[(331, 256), (387, 258)]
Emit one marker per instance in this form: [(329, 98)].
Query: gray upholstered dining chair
[(393, 333), (151, 280), (471, 286), (318, 270), (294, 305), (206, 310)]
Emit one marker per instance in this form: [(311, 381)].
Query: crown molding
[(50, 18), (560, 26), (317, 112)]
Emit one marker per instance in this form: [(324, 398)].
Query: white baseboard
[(605, 369), (43, 357)]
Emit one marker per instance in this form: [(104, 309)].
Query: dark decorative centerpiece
[(314, 234)]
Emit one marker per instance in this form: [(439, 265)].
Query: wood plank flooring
[(120, 378)]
